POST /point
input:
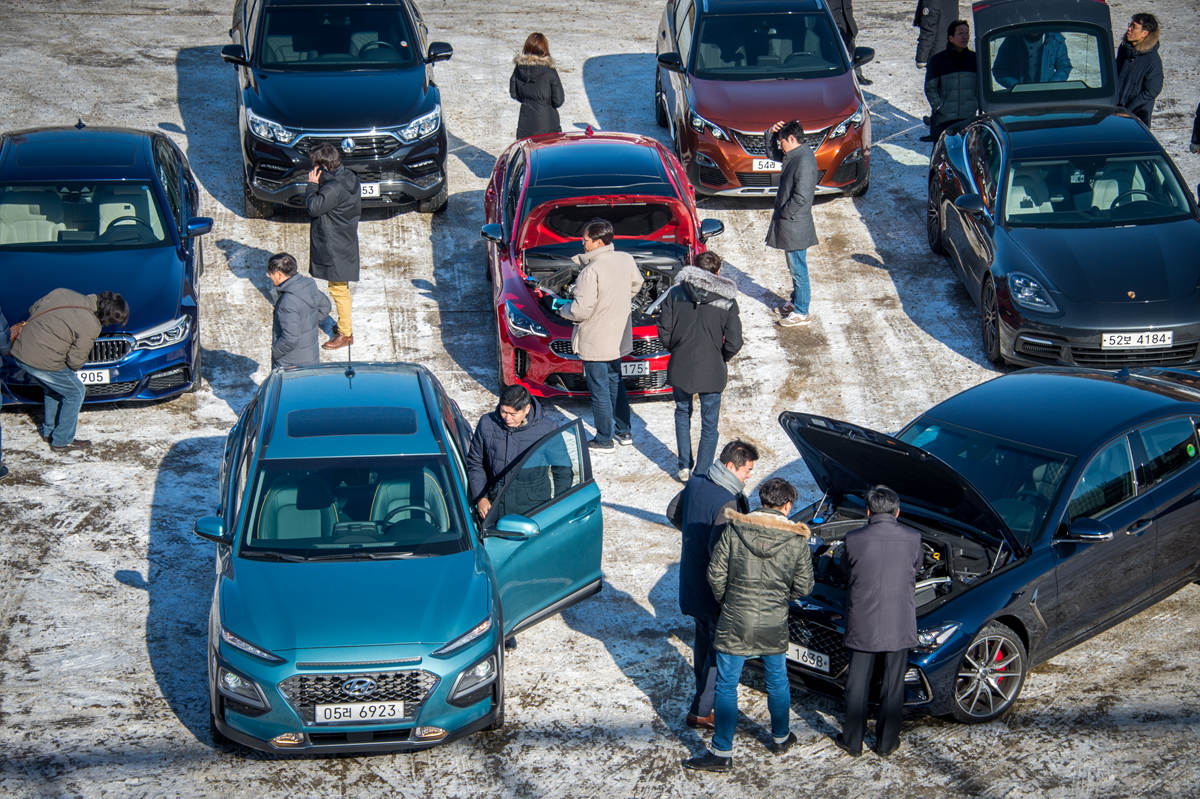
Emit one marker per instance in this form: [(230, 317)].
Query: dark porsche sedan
[(1043, 525), (105, 209)]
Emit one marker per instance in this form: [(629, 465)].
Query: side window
[(990, 152), (975, 158), (1170, 446), (683, 36), (549, 470), (251, 33), (168, 174), (512, 192), (1108, 481)]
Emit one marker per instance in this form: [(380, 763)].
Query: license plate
[(1129, 341), (368, 189), (359, 711), (93, 377), (635, 368), (766, 165), (818, 661)]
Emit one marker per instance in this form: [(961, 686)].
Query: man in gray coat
[(299, 308), (333, 202), (792, 228), (881, 619)]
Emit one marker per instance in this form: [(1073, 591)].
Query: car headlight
[(855, 119), (1028, 293), (475, 677), (264, 128), (239, 688), (237, 642), (700, 124), (422, 126), (933, 638), (521, 325), (164, 335), (471, 635)]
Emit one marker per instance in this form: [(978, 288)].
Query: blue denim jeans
[(63, 398), (610, 402), (798, 262), (779, 699), (710, 414)]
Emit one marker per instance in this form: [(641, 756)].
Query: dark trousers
[(891, 699), (704, 665), (610, 402)]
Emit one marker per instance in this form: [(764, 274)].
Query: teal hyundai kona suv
[(360, 603)]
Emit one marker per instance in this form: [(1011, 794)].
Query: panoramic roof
[(1083, 132), (67, 153)]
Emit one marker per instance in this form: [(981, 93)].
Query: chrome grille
[(822, 639), (756, 144), (366, 145), (1119, 359), (109, 350), (305, 691), (648, 347)]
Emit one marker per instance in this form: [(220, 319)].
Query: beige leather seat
[(116, 202), (297, 507), (1113, 182), (30, 217), (1028, 194)]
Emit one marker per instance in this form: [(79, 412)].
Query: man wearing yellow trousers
[(334, 204)]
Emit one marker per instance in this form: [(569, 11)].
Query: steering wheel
[(110, 230), (433, 519), (376, 43), (1130, 193)]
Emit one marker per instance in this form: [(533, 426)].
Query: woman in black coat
[(535, 84)]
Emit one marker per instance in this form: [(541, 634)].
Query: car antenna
[(79, 125), (349, 368), (1122, 375), (589, 131)]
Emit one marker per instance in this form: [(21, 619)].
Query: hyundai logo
[(347, 145), (359, 686)]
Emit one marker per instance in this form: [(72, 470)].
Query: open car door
[(545, 531)]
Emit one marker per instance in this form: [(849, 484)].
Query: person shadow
[(230, 377), (249, 263)]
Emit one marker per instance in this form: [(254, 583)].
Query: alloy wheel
[(990, 677), (933, 218), (989, 311), (660, 106)]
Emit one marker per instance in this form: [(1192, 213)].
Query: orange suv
[(728, 69)]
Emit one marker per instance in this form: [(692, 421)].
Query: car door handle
[(583, 513), (1138, 527)]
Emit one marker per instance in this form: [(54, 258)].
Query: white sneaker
[(794, 319), (684, 475)]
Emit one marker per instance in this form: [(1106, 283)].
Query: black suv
[(348, 73)]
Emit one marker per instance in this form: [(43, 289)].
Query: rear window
[(1046, 63), (336, 38), (768, 46), (76, 215)]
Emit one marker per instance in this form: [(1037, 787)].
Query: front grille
[(110, 389), (164, 381), (711, 176), (650, 382), (1119, 359), (365, 145), (822, 639), (755, 143), (846, 172), (109, 350), (575, 382), (561, 346), (1043, 352), (643, 347), (305, 691), (758, 179)]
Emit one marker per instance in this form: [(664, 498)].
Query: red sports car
[(542, 192)]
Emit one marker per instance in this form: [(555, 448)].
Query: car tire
[(254, 207), (498, 724), (198, 383), (438, 202), (218, 738), (199, 258), (989, 323), (660, 104), (991, 676), (933, 218), (500, 361), (860, 189)]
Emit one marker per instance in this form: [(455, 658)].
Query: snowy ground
[(104, 591)]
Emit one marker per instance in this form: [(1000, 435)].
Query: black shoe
[(862, 79), (927, 122), (709, 762), (928, 138), (845, 747), (78, 445), (624, 439), (596, 446), (3, 471), (780, 748), (510, 643), (889, 752)]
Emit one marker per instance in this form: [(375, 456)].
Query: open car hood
[(846, 459), (562, 220)]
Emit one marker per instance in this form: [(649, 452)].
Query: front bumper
[(1030, 342)]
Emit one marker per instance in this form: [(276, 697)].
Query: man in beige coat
[(604, 330)]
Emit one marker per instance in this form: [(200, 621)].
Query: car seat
[(115, 202), (1028, 194), (1113, 182), (398, 489), (30, 217), (297, 506)]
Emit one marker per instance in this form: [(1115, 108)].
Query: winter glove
[(557, 303)]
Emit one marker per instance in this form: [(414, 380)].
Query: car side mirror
[(439, 51), (970, 203), (198, 226), (212, 528), (234, 54), (1088, 531), (710, 228), (863, 55), (670, 61), (515, 527), (493, 233)]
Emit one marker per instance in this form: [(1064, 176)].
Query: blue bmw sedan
[(105, 209), (360, 604)]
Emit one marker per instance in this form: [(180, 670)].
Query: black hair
[(954, 26), (882, 500), (283, 263), (515, 397), (327, 157), (776, 492), (793, 128), (1149, 22), (738, 453), (600, 229), (709, 262), (111, 309)]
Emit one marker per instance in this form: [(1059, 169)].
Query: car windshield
[(768, 46), (1093, 192), (353, 508), (1045, 63), (73, 215), (336, 38), (1020, 482)]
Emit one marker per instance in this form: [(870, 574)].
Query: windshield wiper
[(272, 555), (368, 556)]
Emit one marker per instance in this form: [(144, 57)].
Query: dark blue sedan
[(105, 209), (1044, 524)]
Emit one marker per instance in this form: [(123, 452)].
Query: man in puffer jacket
[(700, 326), (761, 562), (951, 81), (333, 200), (1139, 68), (299, 308)]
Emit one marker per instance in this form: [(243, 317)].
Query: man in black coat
[(333, 201), (698, 512), (792, 228), (933, 17), (699, 324), (1139, 67), (881, 619), (843, 17), (951, 81), (299, 308)]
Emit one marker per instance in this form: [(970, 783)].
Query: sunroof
[(89, 152), (363, 421)]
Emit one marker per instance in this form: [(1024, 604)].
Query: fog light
[(428, 733), (854, 156), (704, 160), (289, 739)]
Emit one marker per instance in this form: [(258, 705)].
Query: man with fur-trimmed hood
[(1139, 67), (700, 326), (535, 85)]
